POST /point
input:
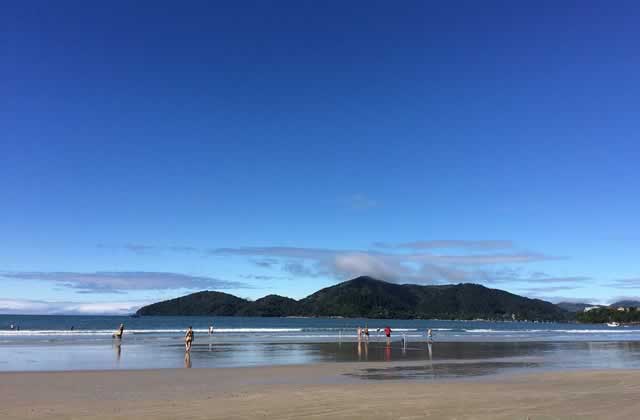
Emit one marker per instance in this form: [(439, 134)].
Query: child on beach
[(188, 339)]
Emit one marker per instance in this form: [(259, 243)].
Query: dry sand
[(313, 392)]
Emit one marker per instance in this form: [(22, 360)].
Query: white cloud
[(377, 266), (422, 262), (37, 307), (419, 267), (118, 281)]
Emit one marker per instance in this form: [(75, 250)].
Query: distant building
[(589, 308), (621, 309)]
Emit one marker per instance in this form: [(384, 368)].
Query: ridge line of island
[(366, 297)]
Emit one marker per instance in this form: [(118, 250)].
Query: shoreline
[(443, 358), (315, 391)]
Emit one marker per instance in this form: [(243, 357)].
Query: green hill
[(371, 298), (200, 303), (272, 305), (574, 306)]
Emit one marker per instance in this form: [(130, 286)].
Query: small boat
[(613, 324)]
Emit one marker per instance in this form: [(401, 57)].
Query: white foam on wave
[(312, 331), (55, 332), (255, 330), (141, 331), (574, 331), (607, 331)]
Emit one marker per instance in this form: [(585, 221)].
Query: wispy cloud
[(421, 267), (544, 278), (563, 298), (321, 253), (37, 307), (424, 261), (146, 249), (299, 269), (266, 263), (262, 277), (120, 281), (628, 283), (448, 244), (547, 289), (574, 279)]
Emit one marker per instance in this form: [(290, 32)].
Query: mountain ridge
[(367, 297), (627, 303)]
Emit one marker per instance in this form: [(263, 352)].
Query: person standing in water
[(119, 332), (387, 332), (359, 333), (429, 334), (210, 329), (188, 339), (366, 332)]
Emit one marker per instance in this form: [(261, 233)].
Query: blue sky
[(155, 149)]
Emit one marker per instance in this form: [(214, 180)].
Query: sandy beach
[(313, 391)]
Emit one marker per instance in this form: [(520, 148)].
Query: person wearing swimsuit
[(118, 334), (188, 339)]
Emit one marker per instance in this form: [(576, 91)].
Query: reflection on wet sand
[(552, 355), (187, 360), (440, 370), (396, 351), (363, 347)]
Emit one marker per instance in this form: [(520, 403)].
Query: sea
[(457, 348)]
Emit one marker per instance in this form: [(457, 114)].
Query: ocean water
[(466, 347), (61, 329)]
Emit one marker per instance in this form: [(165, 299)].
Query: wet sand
[(132, 355), (334, 390)]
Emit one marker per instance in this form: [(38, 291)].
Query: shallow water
[(98, 329), (459, 349)]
